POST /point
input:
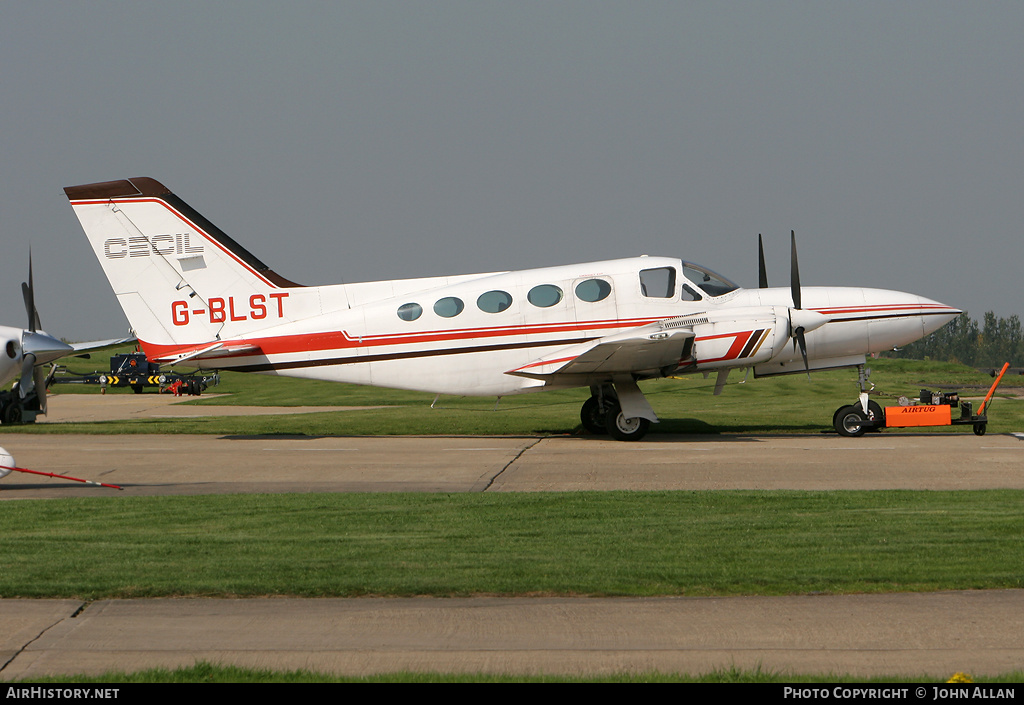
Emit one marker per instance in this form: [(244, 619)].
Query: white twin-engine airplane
[(193, 295), (26, 352)]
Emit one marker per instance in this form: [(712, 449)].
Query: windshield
[(710, 283)]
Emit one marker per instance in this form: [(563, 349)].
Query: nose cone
[(893, 318), (935, 315)]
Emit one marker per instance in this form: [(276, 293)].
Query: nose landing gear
[(864, 415)]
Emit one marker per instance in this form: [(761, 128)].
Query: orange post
[(991, 391)]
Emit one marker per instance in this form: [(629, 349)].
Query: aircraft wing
[(647, 350)]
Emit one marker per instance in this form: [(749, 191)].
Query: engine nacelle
[(751, 335), (10, 355)]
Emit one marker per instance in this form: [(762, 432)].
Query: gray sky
[(352, 141)]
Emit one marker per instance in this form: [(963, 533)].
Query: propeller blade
[(762, 271), (41, 381), (797, 331), (27, 382), (28, 293), (794, 272), (799, 335)]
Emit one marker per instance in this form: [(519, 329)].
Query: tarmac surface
[(198, 464), (909, 633), (934, 634)]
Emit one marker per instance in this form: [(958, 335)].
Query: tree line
[(988, 344)]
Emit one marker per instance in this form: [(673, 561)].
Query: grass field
[(575, 543)]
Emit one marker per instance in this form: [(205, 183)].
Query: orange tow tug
[(931, 409)]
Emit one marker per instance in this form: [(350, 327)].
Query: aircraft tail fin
[(179, 278)]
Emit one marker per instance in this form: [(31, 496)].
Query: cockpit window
[(658, 283), (710, 283)]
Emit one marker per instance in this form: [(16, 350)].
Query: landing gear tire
[(622, 429), (875, 414), (11, 414), (979, 429), (592, 416), (850, 421)]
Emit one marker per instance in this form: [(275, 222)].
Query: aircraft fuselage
[(459, 343)]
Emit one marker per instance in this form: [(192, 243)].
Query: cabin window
[(659, 283), (494, 301), (449, 307), (593, 290), (410, 312), (544, 295), (689, 294)]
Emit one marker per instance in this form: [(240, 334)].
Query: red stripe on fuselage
[(906, 309), (342, 340)]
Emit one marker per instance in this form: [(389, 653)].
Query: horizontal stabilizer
[(180, 356), (174, 357)]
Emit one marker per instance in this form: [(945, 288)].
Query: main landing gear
[(14, 410), (602, 414)]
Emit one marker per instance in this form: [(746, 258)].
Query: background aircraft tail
[(180, 280)]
